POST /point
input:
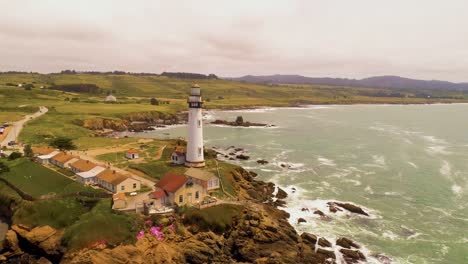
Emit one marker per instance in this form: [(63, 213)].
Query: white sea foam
[(413, 164), (446, 169), (379, 160), (256, 110), (369, 190), (457, 189), (354, 182), (390, 235), (437, 150), (326, 162)]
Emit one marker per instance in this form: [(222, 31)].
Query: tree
[(28, 151), (15, 155), (154, 101), (239, 120), (63, 143), (3, 168)]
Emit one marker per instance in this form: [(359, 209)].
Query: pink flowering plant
[(152, 228)]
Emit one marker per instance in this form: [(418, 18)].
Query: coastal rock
[(347, 243), (323, 242), (281, 194), (352, 256), (318, 212), (327, 254), (45, 238), (262, 162), (301, 220), (332, 207), (382, 258), (238, 124), (242, 157), (352, 208), (11, 242), (305, 209), (309, 238), (43, 260)]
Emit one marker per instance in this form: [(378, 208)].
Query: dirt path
[(17, 126), (159, 153)]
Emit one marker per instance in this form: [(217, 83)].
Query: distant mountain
[(391, 82)]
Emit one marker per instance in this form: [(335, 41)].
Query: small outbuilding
[(178, 156), (120, 201), (111, 98), (132, 154)]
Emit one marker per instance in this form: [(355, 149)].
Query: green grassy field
[(37, 180)]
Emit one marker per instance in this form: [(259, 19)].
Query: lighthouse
[(194, 156)]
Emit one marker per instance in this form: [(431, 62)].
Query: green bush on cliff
[(100, 224), (217, 218), (57, 213)]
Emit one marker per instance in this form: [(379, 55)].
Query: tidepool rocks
[(301, 220), (262, 162), (352, 256), (238, 124), (347, 206), (281, 194), (346, 243)]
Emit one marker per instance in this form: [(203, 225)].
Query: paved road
[(17, 126)]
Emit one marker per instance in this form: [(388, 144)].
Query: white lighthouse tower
[(194, 156)]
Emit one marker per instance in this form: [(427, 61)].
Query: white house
[(89, 177), (131, 154)]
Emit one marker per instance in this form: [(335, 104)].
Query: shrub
[(15, 155)]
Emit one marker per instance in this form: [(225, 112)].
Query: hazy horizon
[(352, 39)]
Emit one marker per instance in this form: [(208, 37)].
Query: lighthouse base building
[(194, 155)]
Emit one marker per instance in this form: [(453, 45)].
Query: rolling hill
[(389, 82)]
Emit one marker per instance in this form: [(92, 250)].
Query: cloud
[(422, 39)]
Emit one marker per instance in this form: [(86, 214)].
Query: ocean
[(407, 165)]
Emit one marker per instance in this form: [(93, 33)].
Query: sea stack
[(194, 155)]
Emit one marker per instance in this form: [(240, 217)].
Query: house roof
[(171, 182), (62, 157), (119, 196), (112, 177), (91, 173), (43, 150), (158, 194), (83, 165), (48, 156), (132, 151), (199, 174)]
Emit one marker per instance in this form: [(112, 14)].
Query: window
[(197, 195), (181, 198), (199, 152), (134, 186), (215, 182), (199, 123), (122, 188), (209, 184)]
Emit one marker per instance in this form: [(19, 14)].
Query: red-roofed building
[(131, 154), (179, 190)]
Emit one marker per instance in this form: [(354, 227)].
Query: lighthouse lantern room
[(194, 155)]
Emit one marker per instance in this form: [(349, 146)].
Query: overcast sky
[(425, 39)]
